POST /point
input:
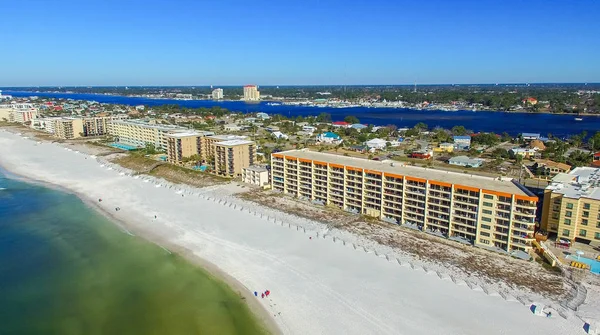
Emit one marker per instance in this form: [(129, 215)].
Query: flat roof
[(581, 182), (190, 133), (228, 137), (234, 142), (165, 127), (256, 168), (503, 185)]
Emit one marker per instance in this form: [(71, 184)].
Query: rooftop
[(232, 143), (190, 133), (146, 124), (581, 182), (256, 168), (228, 137), (505, 185)]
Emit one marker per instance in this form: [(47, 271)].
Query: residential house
[(547, 169), (444, 147), (358, 126), (530, 136), (422, 154), (537, 144), (341, 124), (309, 129), (466, 161), (596, 161), (524, 152), (462, 142), (262, 116), (376, 143), (329, 137), (279, 135), (232, 127)]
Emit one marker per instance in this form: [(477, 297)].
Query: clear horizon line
[(313, 85)]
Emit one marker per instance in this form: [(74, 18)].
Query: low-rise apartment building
[(256, 175), (68, 128), (140, 133), (489, 212), (226, 154), (571, 207), (186, 144), (230, 157), (18, 112), (98, 125)]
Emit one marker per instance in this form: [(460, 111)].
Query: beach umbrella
[(579, 253)]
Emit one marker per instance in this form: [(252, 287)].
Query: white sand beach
[(318, 285)]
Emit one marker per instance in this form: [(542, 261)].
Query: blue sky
[(231, 42)]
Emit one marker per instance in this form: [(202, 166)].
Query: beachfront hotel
[(98, 125), (230, 157), (139, 133), (251, 93), (18, 112), (227, 154), (495, 213), (571, 207), (68, 128)]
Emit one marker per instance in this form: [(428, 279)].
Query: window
[(484, 241), (586, 206), (597, 236), (568, 214), (488, 196), (488, 204), (556, 208), (486, 219), (584, 222), (483, 233), (557, 201), (484, 226), (565, 232), (487, 211), (555, 216), (582, 232), (585, 214), (568, 222), (569, 206)]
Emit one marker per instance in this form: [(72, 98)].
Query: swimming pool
[(594, 264), (122, 146)]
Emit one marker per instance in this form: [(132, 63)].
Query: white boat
[(578, 119)]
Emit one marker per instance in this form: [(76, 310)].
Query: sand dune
[(318, 285)]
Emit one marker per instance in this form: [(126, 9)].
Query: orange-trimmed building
[(488, 212)]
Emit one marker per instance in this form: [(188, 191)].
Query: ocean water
[(65, 269), (484, 121)]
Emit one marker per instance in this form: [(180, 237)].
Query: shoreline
[(217, 102), (262, 316), (320, 286)]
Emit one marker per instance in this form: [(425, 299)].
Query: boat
[(578, 119)]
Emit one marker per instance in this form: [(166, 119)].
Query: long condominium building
[(226, 154), (489, 212), (98, 125), (571, 208), (251, 93), (140, 133), (18, 112)]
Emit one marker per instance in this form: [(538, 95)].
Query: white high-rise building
[(217, 94), (251, 93)]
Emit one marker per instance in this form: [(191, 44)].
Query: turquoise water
[(64, 269), (594, 264), (122, 146)]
